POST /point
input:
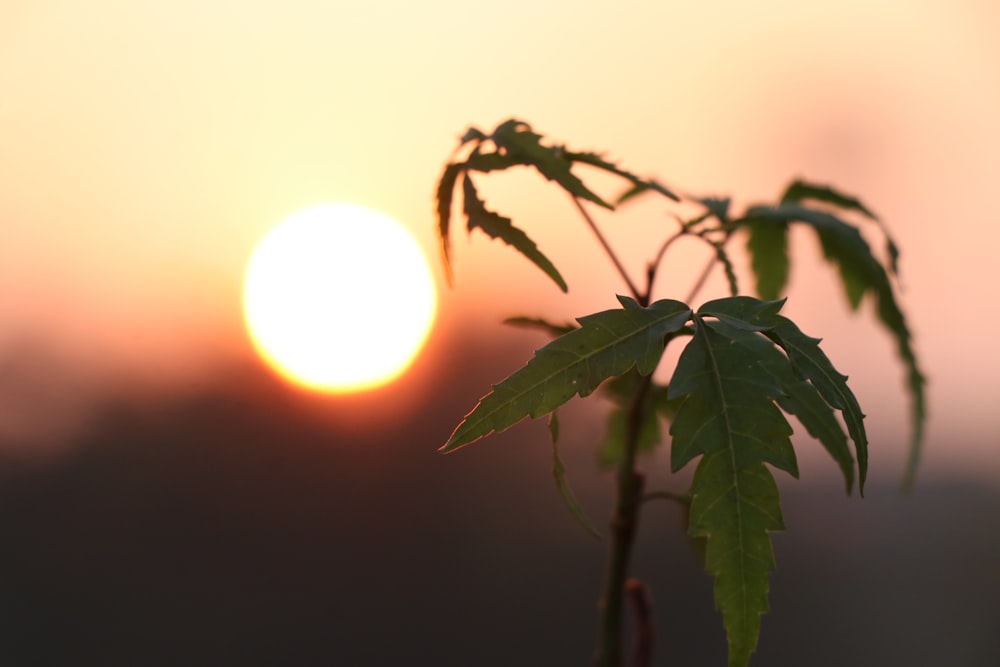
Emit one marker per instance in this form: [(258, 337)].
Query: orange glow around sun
[(339, 298)]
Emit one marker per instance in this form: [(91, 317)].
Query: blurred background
[(167, 499)]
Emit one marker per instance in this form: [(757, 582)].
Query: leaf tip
[(449, 275), (447, 448), (458, 440)]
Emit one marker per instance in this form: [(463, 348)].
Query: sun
[(339, 298)]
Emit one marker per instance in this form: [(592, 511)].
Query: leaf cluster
[(860, 271), (819, 208), (514, 144), (743, 370), (744, 367)]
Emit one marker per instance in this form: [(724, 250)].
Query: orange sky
[(144, 148)]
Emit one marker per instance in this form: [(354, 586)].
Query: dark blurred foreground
[(239, 530)]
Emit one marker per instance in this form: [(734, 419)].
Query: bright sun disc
[(339, 298)]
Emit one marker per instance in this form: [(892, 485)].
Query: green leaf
[(444, 194), (892, 317), (553, 329), (804, 401), (735, 506), (893, 251), (499, 227), (743, 312), (801, 190), (730, 419), (811, 387), (862, 273), (595, 160), (768, 247), (718, 207), (559, 474), (699, 545), (471, 134), (842, 243), (730, 402), (608, 343), (810, 362), (630, 193), (493, 161), (516, 139)]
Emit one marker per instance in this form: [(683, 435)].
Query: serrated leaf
[(892, 317), (811, 363), (743, 312), (842, 243), (862, 273), (607, 344), (471, 134), (595, 160), (811, 386), (768, 246), (893, 251), (445, 188), (552, 328), (492, 161), (729, 418), (698, 544), (735, 506), (804, 401), (718, 207), (499, 227), (562, 484), (516, 139), (801, 190), (630, 193), (730, 402)]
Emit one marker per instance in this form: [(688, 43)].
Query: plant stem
[(680, 498), (624, 521), (638, 594), (701, 279), (654, 265), (643, 299), (705, 272)]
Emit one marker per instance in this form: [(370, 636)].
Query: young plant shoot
[(744, 368)]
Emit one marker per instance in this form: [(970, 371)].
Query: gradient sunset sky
[(146, 147)]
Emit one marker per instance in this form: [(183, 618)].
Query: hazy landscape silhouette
[(239, 525)]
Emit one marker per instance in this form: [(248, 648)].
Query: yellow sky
[(145, 147)]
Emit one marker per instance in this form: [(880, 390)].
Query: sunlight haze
[(144, 148)]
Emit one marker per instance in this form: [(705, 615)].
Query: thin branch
[(667, 495), (642, 607), (716, 246), (666, 245), (701, 279), (654, 265), (624, 522), (639, 296)]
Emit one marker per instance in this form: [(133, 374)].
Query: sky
[(145, 148)]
